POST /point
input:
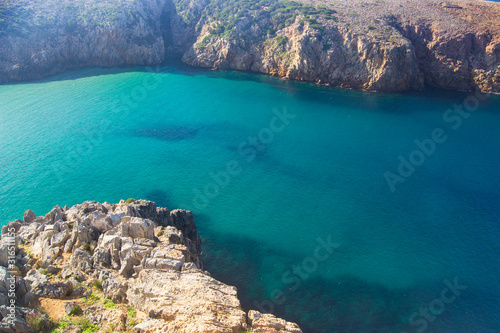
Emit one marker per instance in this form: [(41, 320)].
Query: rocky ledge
[(124, 267)]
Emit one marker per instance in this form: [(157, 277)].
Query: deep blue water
[(167, 136)]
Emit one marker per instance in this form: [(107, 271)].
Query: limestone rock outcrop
[(139, 257)]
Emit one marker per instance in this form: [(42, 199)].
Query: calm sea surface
[(295, 188)]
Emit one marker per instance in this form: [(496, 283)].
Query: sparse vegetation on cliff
[(380, 44), (274, 14)]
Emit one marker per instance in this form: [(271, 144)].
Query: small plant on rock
[(111, 328), (86, 248), (62, 325), (109, 304), (131, 313), (91, 300), (75, 311), (39, 323), (97, 284), (86, 326)]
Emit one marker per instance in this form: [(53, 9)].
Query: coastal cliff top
[(376, 45), (456, 16), (125, 267), (472, 12), (453, 17)]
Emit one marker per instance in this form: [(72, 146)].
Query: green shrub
[(86, 326), (86, 248), (281, 40), (317, 26), (109, 304), (131, 312), (91, 300), (111, 328), (62, 325), (129, 200), (75, 311), (39, 323)]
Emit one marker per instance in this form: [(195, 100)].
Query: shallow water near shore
[(184, 138)]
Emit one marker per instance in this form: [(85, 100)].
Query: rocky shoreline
[(379, 46), (126, 267)]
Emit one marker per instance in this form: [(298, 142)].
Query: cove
[(111, 134)]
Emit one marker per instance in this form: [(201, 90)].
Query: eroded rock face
[(263, 323), (144, 256), (83, 34), (332, 56), (391, 46), (464, 58), (188, 302)]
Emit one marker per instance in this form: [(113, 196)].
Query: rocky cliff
[(380, 45), (124, 267)]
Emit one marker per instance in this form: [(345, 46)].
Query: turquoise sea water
[(167, 136)]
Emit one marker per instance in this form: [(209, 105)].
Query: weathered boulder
[(189, 302), (40, 286), (81, 261), (11, 228), (57, 290), (113, 288), (42, 243), (151, 326), (107, 252), (103, 222), (160, 263), (29, 216), (183, 221), (137, 208), (131, 255), (60, 238), (31, 231), (267, 323), (51, 270), (79, 291), (56, 214), (4, 275), (19, 326), (138, 228), (82, 233), (72, 308), (4, 252), (66, 272), (22, 288)]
